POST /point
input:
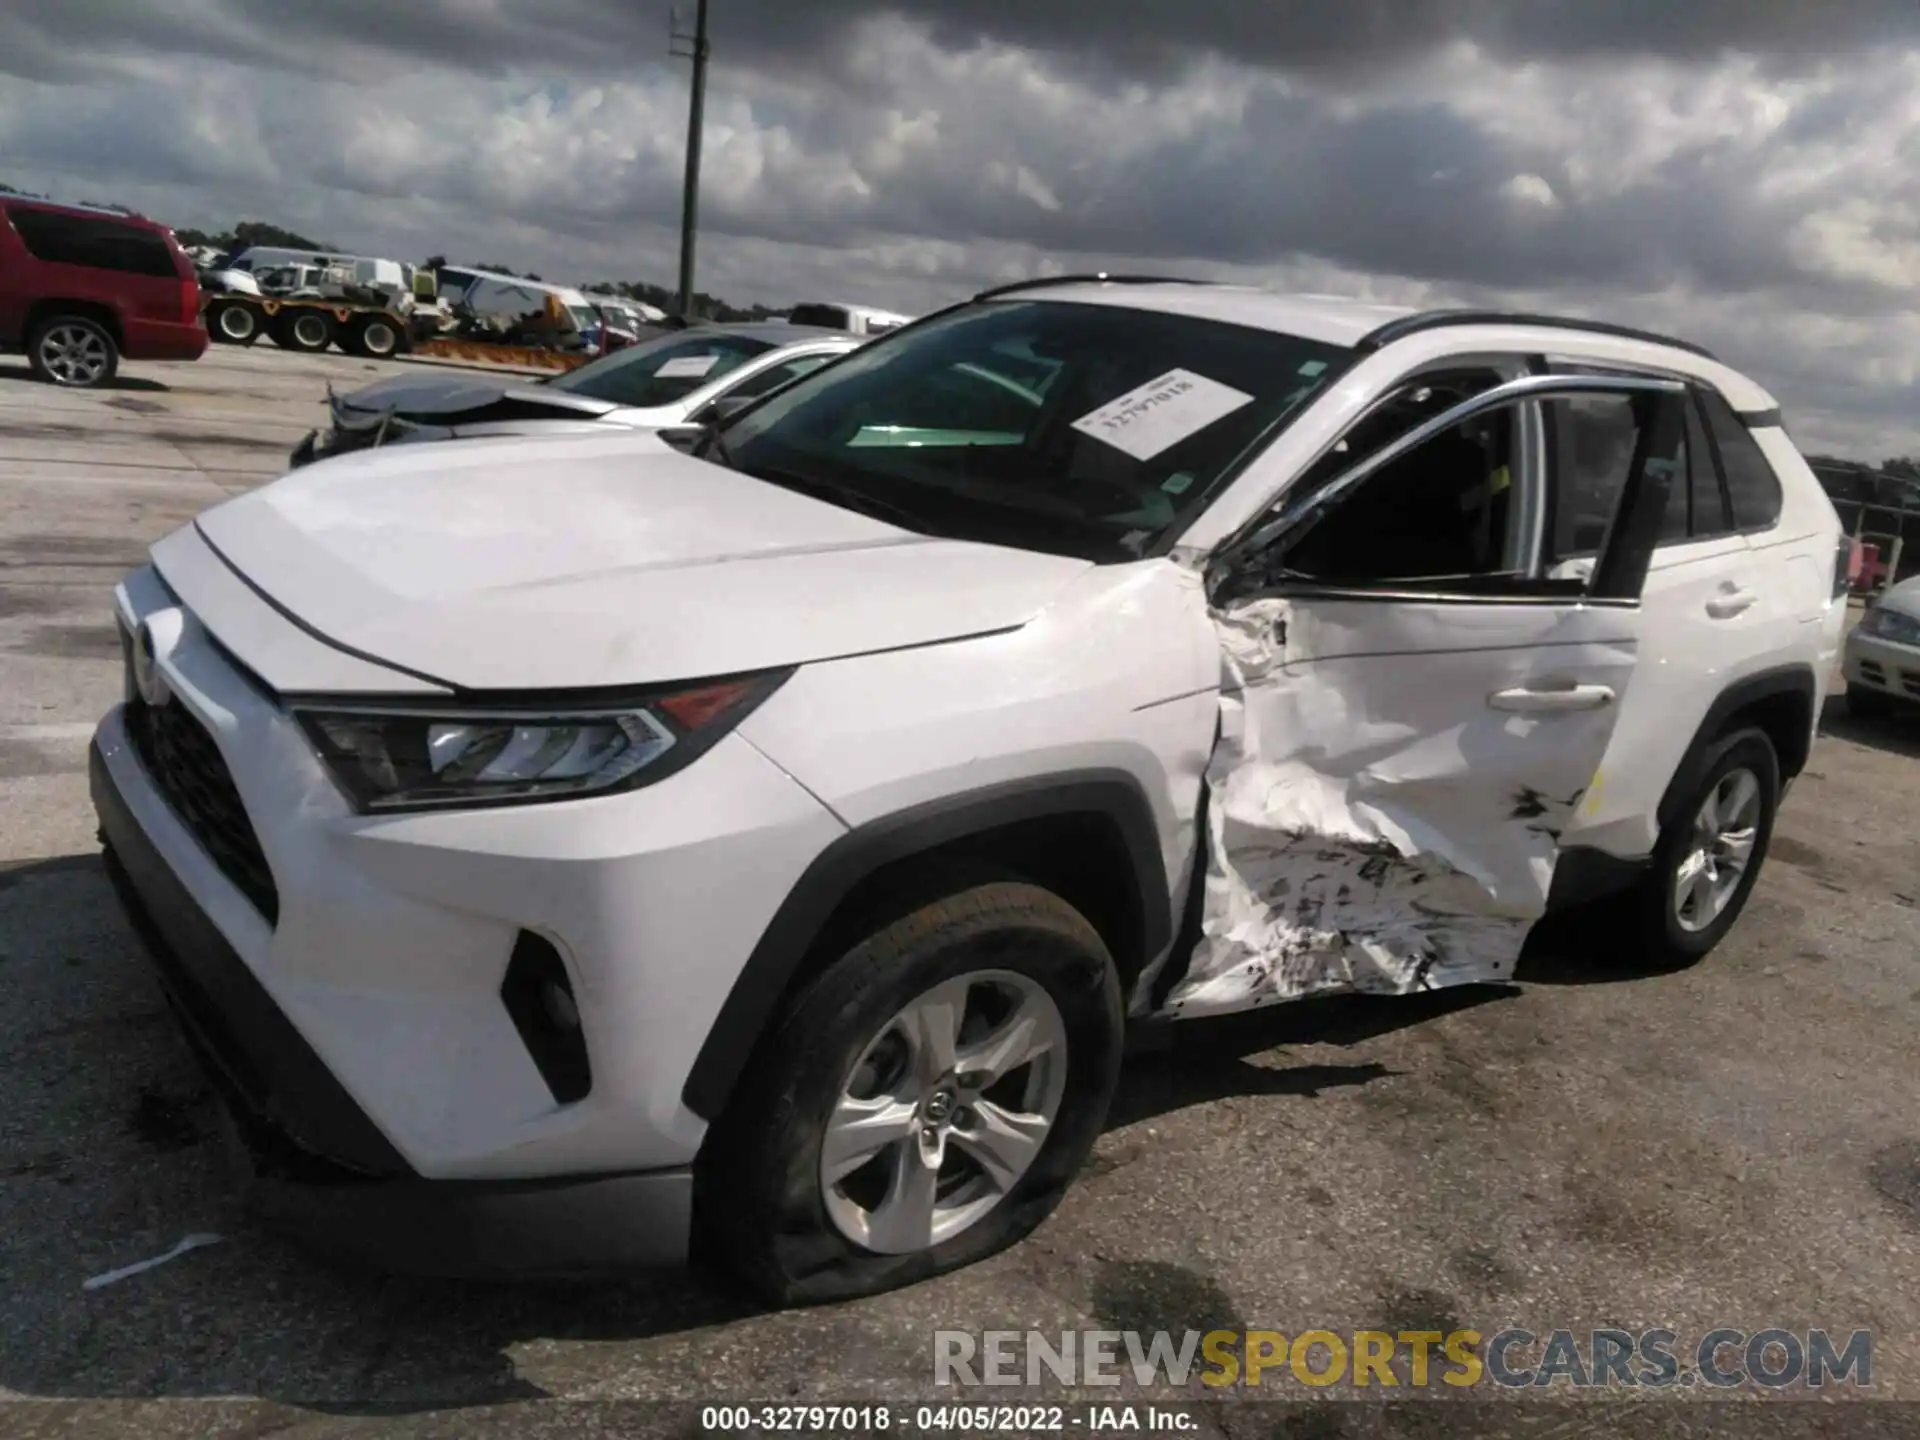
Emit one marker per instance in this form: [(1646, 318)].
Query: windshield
[(659, 372), (1088, 430)]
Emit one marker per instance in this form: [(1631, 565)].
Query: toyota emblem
[(147, 679)]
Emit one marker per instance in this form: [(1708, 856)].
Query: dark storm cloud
[(1339, 144), (1337, 37)]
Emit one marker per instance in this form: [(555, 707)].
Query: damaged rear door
[(1425, 649)]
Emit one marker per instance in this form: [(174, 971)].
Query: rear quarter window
[(1753, 489), (97, 243)]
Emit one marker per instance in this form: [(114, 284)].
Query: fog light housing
[(538, 995), (559, 1004)]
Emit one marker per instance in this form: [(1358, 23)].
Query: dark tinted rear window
[(93, 241), (827, 317), (1751, 484)]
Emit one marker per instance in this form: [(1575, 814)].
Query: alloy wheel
[(74, 354), (944, 1112), (1723, 835)]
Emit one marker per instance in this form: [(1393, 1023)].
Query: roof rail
[(1441, 319), (1041, 282)]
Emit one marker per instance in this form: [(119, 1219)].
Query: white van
[(370, 272)]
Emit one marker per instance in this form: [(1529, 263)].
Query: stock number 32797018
[(1024, 1419)]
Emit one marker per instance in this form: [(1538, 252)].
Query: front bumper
[(313, 1160), (1873, 663), (350, 978)]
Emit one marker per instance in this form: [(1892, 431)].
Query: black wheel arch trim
[(1114, 795), (1796, 680)]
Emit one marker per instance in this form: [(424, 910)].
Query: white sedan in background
[(1882, 658), (673, 380)]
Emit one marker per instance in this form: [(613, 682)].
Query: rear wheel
[(924, 1102), (234, 323), (308, 331), (73, 351), (1710, 854)]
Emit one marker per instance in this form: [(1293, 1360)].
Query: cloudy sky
[(1740, 171)]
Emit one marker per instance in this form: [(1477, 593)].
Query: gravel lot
[(1735, 1145)]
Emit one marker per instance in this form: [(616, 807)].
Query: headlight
[(401, 757), (1894, 625)]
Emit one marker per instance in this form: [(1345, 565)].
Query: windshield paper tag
[(686, 367), (1161, 413)]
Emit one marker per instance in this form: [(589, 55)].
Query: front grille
[(191, 773)]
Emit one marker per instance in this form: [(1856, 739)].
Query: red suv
[(79, 288)]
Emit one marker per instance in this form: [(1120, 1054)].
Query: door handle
[(1729, 603), (1552, 698)]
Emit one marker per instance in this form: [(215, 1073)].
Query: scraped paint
[(1369, 829)]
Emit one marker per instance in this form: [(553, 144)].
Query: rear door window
[(1752, 488), (1696, 504), (95, 242)]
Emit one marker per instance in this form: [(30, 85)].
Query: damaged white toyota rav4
[(569, 854)]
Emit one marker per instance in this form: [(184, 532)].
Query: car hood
[(557, 564), (472, 399), (1904, 597)]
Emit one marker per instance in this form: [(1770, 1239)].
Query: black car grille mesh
[(192, 774)]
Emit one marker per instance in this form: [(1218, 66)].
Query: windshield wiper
[(838, 493)]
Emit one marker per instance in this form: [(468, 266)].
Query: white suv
[(568, 852)]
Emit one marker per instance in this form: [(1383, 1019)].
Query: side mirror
[(682, 437)]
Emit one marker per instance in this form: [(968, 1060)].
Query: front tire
[(923, 1103), (73, 351), (1711, 853)]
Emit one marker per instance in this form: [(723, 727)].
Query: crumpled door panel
[(1374, 825)]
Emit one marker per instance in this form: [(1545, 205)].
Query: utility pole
[(691, 47)]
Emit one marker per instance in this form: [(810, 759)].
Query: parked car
[(593, 851), (1882, 657), (670, 381), (617, 325), (81, 288)]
